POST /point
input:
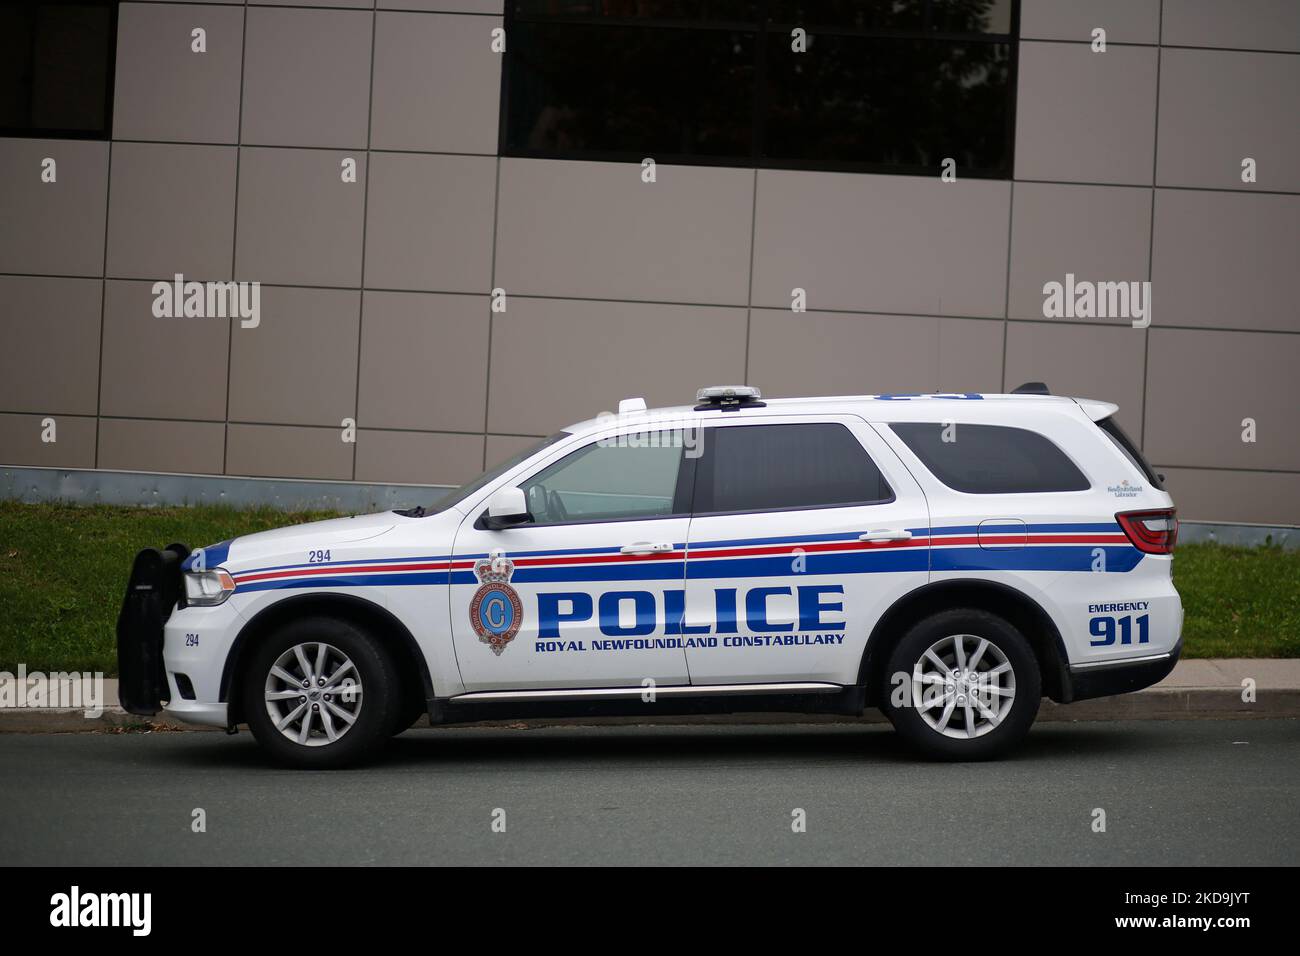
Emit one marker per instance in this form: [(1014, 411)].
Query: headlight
[(208, 588)]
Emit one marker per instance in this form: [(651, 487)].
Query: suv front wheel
[(963, 685), (321, 693)]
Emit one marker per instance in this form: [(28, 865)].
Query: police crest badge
[(495, 612)]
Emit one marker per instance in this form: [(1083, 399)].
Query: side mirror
[(507, 508)]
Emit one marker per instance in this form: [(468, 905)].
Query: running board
[(637, 693)]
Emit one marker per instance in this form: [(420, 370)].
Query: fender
[(1023, 611), (358, 609)]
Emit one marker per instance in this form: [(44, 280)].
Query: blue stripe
[(214, 555), (640, 571), (1034, 528), (1119, 559), (348, 581), (856, 562), (1065, 557)]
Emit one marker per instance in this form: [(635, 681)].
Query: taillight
[(1154, 532)]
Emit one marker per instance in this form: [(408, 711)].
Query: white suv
[(949, 559)]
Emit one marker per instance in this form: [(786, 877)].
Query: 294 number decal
[(317, 557), (1110, 630)]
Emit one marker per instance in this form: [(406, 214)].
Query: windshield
[(489, 476)]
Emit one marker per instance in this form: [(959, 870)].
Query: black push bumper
[(1122, 676), (151, 593)]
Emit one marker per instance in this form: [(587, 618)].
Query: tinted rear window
[(991, 459), (1130, 450), (770, 467)]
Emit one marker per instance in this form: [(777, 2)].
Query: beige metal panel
[(1241, 24), (1125, 21), (555, 362), (1095, 233), (283, 451), (1086, 117), (21, 441), (307, 77), (298, 366), (895, 244), (595, 230), (429, 222), (1255, 497), (160, 367), (446, 6), (1225, 260), (50, 359), (1219, 108), (1202, 386), (54, 228), (838, 353), (422, 458), (299, 222), (141, 445), (170, 210), (423, 361), (437, 83), (166, 91)]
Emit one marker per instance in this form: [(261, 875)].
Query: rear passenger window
[(991, 459), (771, 467)]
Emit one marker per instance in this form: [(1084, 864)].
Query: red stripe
[(792, 548), (342, 569), (599, 558), (729, 552)]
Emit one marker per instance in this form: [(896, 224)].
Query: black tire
[(994, 738), (375, 715)]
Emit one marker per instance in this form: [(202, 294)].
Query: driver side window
[(620, 478)]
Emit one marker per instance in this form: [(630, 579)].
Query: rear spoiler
[(1091, 407), (1097, 410)]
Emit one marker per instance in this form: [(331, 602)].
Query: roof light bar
[(725, 395)]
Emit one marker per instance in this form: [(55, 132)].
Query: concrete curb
[(1196, 690)]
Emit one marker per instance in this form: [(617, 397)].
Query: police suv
[(949, 559)]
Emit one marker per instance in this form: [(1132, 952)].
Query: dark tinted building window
[(767, 467), (883, 85), (991, 459), (56, 68)]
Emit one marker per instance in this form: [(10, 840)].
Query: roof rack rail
[(1031, 388)]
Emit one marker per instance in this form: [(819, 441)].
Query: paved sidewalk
[(1200, 689)]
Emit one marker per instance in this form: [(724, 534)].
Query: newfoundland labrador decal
[(1124, 489)]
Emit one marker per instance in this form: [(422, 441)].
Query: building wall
[(376, 294)]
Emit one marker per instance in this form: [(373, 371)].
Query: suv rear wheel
[(321, 693), (963, 685)]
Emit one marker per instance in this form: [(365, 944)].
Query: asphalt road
[(1183, 793)]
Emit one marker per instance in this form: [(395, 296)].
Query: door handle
[(646, 547), (885, 534)]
